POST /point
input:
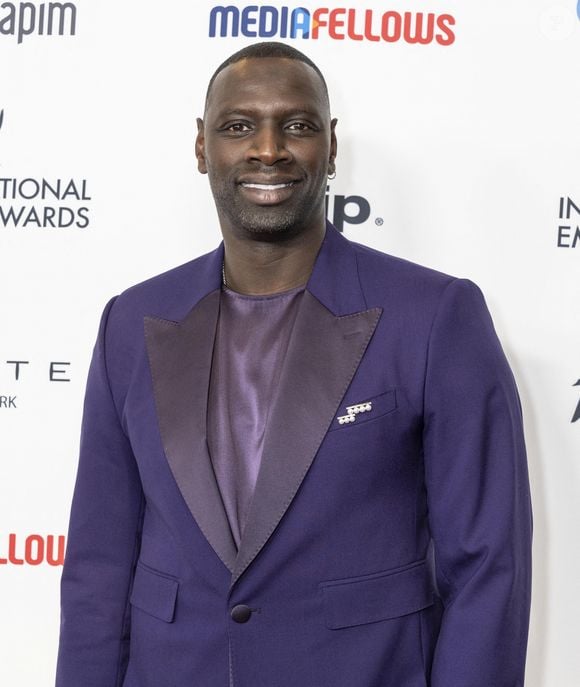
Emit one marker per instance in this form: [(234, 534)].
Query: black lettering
[(576, 237), (83, 222), (32, 218), (55, 191), (8, 23), (569, 205), (562, 236), (340, 216), (4, 181), (23, 30), (62, 213), (54, 371), (71, 190), (48, 217), (17, 364), (84, 191), (35, 186), (576, 415), (10, 216), (60, 9)]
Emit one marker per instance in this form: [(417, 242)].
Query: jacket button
[(241, 613)]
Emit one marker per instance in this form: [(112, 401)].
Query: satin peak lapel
[(323, 354), (180, 356)]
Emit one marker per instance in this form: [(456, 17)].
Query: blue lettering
[(300, 21), (284, 22), (249, 21), (268, 13), (224, 13)]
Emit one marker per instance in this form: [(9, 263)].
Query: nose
[(268, 146)]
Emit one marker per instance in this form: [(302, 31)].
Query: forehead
[(267, 80)]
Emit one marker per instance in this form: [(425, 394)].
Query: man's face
[(267, 144)]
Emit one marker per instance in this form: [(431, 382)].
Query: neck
[(265, 267)]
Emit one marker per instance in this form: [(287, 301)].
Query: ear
[(200, 147), (333, 147)]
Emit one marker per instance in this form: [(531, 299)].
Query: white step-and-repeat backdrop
[(459, 148)]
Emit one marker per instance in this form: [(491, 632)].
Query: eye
[(302, 127), (299, 126), (236, 128)]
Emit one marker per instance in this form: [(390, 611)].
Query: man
[(302, 460)]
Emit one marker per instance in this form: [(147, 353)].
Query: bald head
[(268, 50)]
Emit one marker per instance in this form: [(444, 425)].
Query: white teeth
[(267, 187)]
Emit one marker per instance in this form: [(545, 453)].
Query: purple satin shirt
[(251, 341)]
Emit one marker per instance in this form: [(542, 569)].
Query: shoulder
[(169, 295), (399, 281), (166, 294), (415, 298)]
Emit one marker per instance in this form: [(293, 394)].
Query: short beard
[(267, 223)]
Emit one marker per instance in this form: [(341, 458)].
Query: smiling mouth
[(267, 187)]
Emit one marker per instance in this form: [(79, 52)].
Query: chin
[(269, 227)]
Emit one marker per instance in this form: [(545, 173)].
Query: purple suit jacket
[(388, 551)]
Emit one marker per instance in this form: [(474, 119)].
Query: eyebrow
[(299, 111)]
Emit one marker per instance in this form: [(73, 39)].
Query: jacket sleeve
[(103, 541), (478, 498)]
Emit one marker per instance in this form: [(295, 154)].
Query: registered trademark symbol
[(379, 221)]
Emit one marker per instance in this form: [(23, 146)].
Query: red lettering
[(12, 551), (317, 22), (444, 22), (35, 548), (335, 23), (351, 21), (414, 34), (51, 559), (34, 557), (368, 27), (391, 27)]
